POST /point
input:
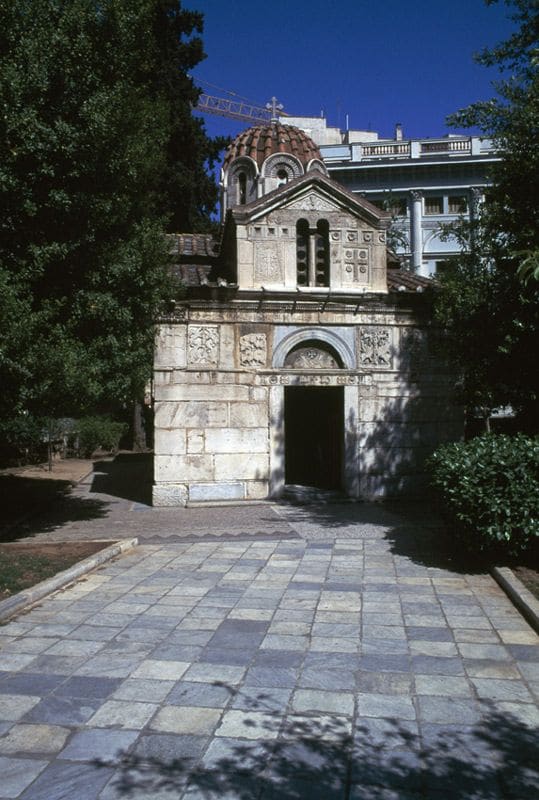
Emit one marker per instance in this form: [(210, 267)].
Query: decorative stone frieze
[(253, 350), (310, 358), (203, 345), (356, 265), (375, 347)]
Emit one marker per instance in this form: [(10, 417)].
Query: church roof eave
[(242, 214)]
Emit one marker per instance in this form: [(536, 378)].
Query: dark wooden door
[(314, 436)]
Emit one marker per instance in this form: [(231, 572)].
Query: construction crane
[(240, 108)]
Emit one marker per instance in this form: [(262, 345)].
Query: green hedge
[(490, 489), (98, 433)]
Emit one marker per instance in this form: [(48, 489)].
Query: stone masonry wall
[(219, 402)]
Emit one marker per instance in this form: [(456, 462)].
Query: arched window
[(312, 253), (282, 176), (242, 188), (302, 252)]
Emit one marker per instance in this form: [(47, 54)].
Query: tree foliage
[(489, 301), (99, 154)]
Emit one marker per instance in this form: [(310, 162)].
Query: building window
[(434, 205), (242, 188), (457, 205), (312, 253)]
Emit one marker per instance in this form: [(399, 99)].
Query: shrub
[(20, 438), (98, 433), (490, 489)]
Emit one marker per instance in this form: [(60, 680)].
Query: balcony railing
[(383, 150), (447, 146)]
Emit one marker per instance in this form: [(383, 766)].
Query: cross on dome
[(274, 107)]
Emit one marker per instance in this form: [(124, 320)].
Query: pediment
[(313, 201)]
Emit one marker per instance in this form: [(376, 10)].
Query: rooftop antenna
[(274, 107)]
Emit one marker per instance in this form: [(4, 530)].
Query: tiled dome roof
[(262, 141)]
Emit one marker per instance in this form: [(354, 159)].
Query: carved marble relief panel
[(356, 264), (310, 358), (253, 350), (203, 345), (375, 347), (268, 264)]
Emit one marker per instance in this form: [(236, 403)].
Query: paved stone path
[(331, 653)]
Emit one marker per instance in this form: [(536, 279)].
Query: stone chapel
[(301, 353)]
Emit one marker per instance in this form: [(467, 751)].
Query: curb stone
[(522, 598), (28, 597)]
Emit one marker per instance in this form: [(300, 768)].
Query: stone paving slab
[(335, 664)]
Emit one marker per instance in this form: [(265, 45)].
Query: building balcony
[(445, 148)]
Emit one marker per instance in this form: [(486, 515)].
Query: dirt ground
[(24, 564), (530, 579)]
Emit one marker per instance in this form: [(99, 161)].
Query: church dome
[(264, 158), (263, 141)]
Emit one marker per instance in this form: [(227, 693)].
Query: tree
[(99, 155), (489, 300)]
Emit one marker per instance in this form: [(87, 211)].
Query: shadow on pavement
[(31, 506), (128, 475), (413, 529), (319, 758), (384, 513)]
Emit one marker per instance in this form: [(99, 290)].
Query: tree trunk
[(139, 431)]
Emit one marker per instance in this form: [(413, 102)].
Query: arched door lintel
[(312, 336)]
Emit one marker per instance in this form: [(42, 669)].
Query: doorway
[(314, 436)]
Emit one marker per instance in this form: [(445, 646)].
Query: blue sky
[(377, 62)]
